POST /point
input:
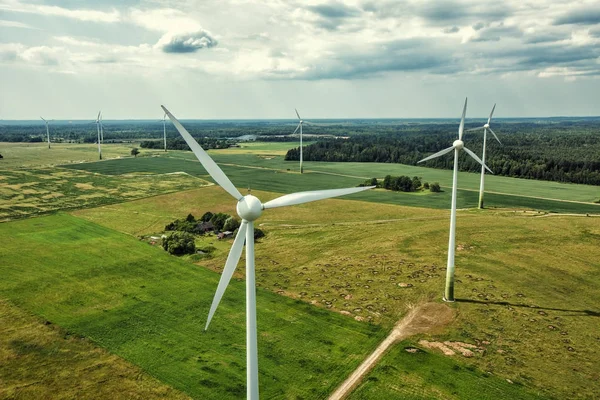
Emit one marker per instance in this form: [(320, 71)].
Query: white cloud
[(164, 20), (78, 14), (15, 24)]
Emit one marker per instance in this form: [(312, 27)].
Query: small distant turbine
[(457, 146), (47, 131), (98, 124), (101, 130), (485, 127), (249, 208), (164, 120), (300, 123)]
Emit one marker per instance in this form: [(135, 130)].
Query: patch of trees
[(180, 144), (179, 243), (555, 152), (209, 222), (402, 183)]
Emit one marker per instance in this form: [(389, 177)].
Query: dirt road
[(422, 318)]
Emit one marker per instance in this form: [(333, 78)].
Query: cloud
[(78, 14), (164, 20), (186, 42), (595, 32), (585, 16), (461, 11), (15, 24), (545, 37), (495, 33), (334, 10), (33, 56), (453, 29)]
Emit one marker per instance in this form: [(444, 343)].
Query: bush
[(231, 224), (258, 233), (426, 186), (435, 187), (179, 243), (218, 220), (207, 216)]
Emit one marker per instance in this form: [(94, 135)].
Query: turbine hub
[(458, 144), (486, 126), (249, 208)]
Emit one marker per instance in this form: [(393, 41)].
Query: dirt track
[(420, 319)]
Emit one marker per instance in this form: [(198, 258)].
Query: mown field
[(527, 283)]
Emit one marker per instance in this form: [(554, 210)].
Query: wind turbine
[(300, 123), (47, 131), (98, 124), (164, 120), (249, 208), (457, 146), (101, 130), (485, 129)]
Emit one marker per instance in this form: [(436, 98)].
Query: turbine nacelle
[(458, 144), (486, 126), (249, 208)]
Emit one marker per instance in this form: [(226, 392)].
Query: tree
[(435, 187), (190, 218), (218, 220), (135, 152), (258, 233), (207, 216), (231, 224), (426, 186), (386, 182), (179, 243), (373, 182)]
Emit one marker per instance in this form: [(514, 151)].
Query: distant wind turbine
[(164, 120), (98, 124), (300, 123), (485, 127), (101, 130), (249, 208), (47, 131), (457, 146)]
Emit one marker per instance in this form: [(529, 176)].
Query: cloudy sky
[(67, 59)]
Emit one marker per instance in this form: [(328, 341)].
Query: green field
[(283, 181)]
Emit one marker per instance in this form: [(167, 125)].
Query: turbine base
[(446, 300)]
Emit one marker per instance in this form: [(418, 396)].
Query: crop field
[(258, 177), (34, 191), (515, 289)]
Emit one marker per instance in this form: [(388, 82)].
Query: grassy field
[(28, 155), (282, 181), (527, 283), (138, 302), (39, 360)]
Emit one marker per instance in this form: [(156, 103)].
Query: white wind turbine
[(457, 146), (98, 125), (164, 120), (300, 123), (485, 127), (249, 208), (47, 130)]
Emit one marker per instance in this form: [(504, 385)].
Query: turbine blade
[(209, 165), (462, 121), (495, 135), (474, 129), (43, 119), (439, 153), (98, 117), (313, 195), (296, 130), (232, 260), (297, 113), (492, 113), (469, 152)]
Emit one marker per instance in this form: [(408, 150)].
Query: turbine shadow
[(589, 313)]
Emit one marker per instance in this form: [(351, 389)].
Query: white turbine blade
[(489, 129), (297, 114), (313, 195), (98, 117), (469, 152), (211, 167), (43, 119), (462, 121), (474, 129), (492, 113), (296, 130), (232, 260), (439, 153)]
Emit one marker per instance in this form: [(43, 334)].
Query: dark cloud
[(582, 16), (479, 25), (595, 32), (442, 12), (496, 33), (186, 42), (334, 10), (545, 37), (453, 29)]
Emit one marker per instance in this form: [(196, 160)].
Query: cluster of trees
[(180, 144), (402, 183), (556, 152), (182, 239)]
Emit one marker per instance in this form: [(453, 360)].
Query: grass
[(428, 375), (287, 182), (39, 360), (349, 256), (149, 308)]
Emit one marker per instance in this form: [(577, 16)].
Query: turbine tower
[(47, 131), (165, 131), (101, 130), (485, 127), (249, 208), (98, 123), (457, 146)]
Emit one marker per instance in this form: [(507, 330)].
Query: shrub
[(435, 187), (179, 243)]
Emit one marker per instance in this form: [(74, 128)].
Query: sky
[(230, 59)]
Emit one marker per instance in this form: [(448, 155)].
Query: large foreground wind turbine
[(47, 130), (98, 123), (457, 146), (485, 129), (249, 208)]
